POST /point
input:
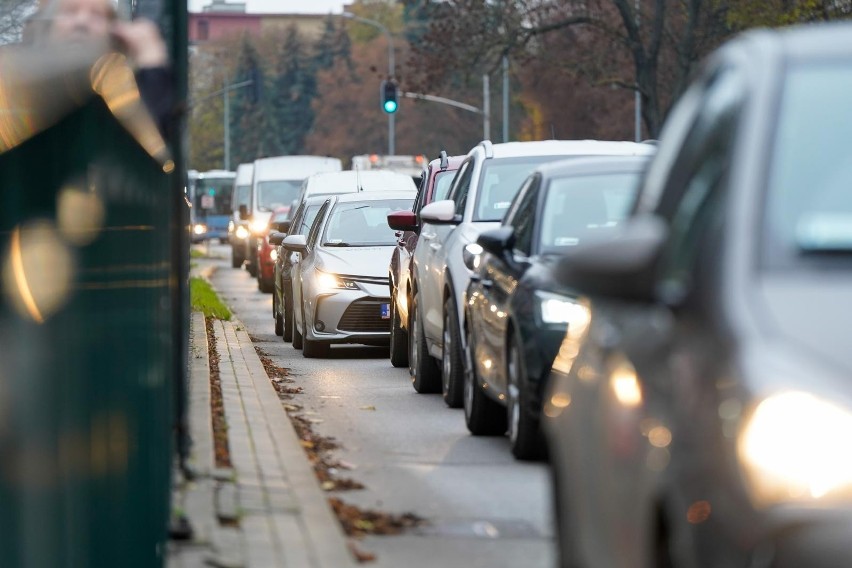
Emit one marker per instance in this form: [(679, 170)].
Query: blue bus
[(210, 195)]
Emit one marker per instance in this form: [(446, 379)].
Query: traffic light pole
[(391, 72), (227, 114)]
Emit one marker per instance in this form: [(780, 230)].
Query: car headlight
[(241, 232), (330, 281), (795, 447), (556, 309), (199, 229), (258, 226), (273, 255)]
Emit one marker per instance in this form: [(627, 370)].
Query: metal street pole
[(226, 92), (391, 72), (505, 99), (486, 108), (637, 104)]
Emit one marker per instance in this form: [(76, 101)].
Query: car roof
[(293, 167), (593, 165), (244, 172), (348, 181), (564, 147), (453, 163), (373, 196)]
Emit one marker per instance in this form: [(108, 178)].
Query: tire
[(314, 349), (237, 259), (288, 315), (265, 286), (251, 266), (425, 375), (398, 338), (297, 337), (452, 365), (525, 437), (483, 416), (276, 314)]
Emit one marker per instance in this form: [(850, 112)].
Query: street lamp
[(391, 72)]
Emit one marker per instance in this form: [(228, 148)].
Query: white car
[(340, 286), (484, 186)]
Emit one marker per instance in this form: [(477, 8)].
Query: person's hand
[(142, 42)]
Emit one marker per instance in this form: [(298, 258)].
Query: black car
[(517, 312), (700, 414)]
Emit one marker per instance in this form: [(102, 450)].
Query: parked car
[(276, 182), (700, 409), (267, 252), (516, 310), (351, 181), (238, 229), (282, 296), (340, 289), (481, 192), (435, 184)]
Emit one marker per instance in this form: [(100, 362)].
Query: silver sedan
[(340, 294)]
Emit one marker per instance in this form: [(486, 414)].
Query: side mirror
[(295, 243), (402, 221), (497, 241), (244, 213), (622, 266), (284, 226), (277, 238), (440, 213)]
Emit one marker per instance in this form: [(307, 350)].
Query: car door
[(301, 269), (500, 280), (432, 253)]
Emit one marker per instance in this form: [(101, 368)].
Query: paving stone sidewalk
[(268, 511)]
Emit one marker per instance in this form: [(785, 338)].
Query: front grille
[(364, 316)]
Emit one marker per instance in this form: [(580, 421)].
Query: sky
[(283, 6)]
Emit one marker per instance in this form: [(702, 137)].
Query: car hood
[(356, 261), (811, 313)]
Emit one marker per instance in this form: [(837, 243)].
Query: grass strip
[(204, 299)]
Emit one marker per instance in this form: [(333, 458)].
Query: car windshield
[(363, 224), (278, 193), (576, 207), (213, 195), (501, 180), (809, 193), (443, 180), (242, 196)]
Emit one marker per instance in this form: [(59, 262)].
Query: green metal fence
[(92, 330)]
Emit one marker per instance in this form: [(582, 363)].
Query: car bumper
[(350, 316), (813, 539), (540, 349)]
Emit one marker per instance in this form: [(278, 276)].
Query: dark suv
[(434, 186)]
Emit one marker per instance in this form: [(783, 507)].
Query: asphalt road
[(411, 452)]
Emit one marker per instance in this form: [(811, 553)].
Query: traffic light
[(390, 92)]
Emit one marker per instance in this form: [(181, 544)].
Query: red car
[(434, 186), (267, 253)]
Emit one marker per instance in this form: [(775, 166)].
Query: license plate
[(385, 311)]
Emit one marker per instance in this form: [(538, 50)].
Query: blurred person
[(96, 21)]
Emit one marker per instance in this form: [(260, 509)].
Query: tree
[(334, 43), (253, 125), (295, 88)]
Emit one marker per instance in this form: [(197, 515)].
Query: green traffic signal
[(390, 93)]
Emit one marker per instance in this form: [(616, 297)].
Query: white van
[(238, 230), (276, 182)]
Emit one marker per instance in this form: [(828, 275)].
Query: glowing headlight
[(557, 309), (241, 232), (332, 281), (199, 229), (258, 226), (795, 446), (273, 255)]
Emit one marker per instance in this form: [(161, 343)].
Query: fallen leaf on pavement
[(371, 407)]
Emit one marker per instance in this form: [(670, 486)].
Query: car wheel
[(297, 337), (312, 348), (288, 314), (398, 338), (483, 416), (276, 315), (452, 368), (264, 285), (425, 375), (252, 267), (525, 437), (236, 259)]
